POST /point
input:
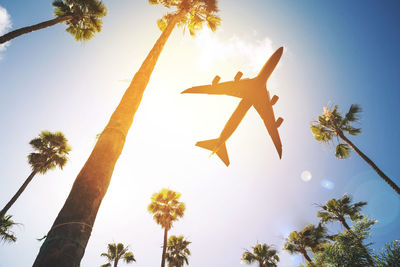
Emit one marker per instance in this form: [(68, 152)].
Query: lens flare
[(306, 176), (327, 184)]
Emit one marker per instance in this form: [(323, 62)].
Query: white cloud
[(5, 25), (249, 54)]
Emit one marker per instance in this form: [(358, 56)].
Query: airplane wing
[(232, 88), (267, 114)]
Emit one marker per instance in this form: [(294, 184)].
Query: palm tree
[(177, 251), (347, 248), (389, 256), (6, 235), (92, 182), (51, 150), (166, 209), (310, 238), (332, 124), (117, 252), (81, 16), (339, 209), (263, 254)]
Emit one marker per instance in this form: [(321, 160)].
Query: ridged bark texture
[(16, 196), (18, 32), (67, 239), (371, 163)]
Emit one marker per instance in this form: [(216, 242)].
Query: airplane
[(253, 93)]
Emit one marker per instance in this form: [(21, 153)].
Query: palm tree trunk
[(371, 163), (66, 241), (164, 249), (116, 261), (344, 223), (305, 255), (19, 192), (11, 35)]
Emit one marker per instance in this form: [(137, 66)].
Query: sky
[(335, 52)]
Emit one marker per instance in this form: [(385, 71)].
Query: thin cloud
[(249, 54), (5, 25)]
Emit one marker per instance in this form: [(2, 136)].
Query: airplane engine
[(274, 99), (238, 76), (278, 122), (216, 80)]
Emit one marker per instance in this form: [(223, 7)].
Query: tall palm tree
[(166, 208), (310, 238), (83, 18), (117, 252), (263, 254), (332, 124), (177, 251), (51, 150), (339, 209), (6, 235), (92, 182)]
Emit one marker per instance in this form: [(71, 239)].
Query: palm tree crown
[(263, 254), (51, 151), (166, 208), (194, 14), (338, 209), (117, 252), (83, 18), (177, 251), (6, 235), (86, 16), (332, 124), (311, 237)]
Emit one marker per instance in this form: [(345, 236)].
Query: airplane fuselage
[(254, 89)]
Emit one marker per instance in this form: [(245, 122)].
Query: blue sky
[(336, 52)]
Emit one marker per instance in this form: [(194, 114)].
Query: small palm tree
[(166, 209), (347, 248), (81, 16), (51, 150), (332, 124), (263, 254), (177, 251), (388, 256), (117, 252), (339, 209), (6, 235), (310, 238)]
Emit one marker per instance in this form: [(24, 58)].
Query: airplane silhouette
[(253, 93)]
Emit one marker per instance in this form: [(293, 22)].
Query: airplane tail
[(212, 145)]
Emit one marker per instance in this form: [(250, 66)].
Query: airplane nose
[(279, 51)]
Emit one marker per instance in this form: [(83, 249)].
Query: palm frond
[(321, 133), (342, 151), (353, 114), (6, 234), (351, 130)]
